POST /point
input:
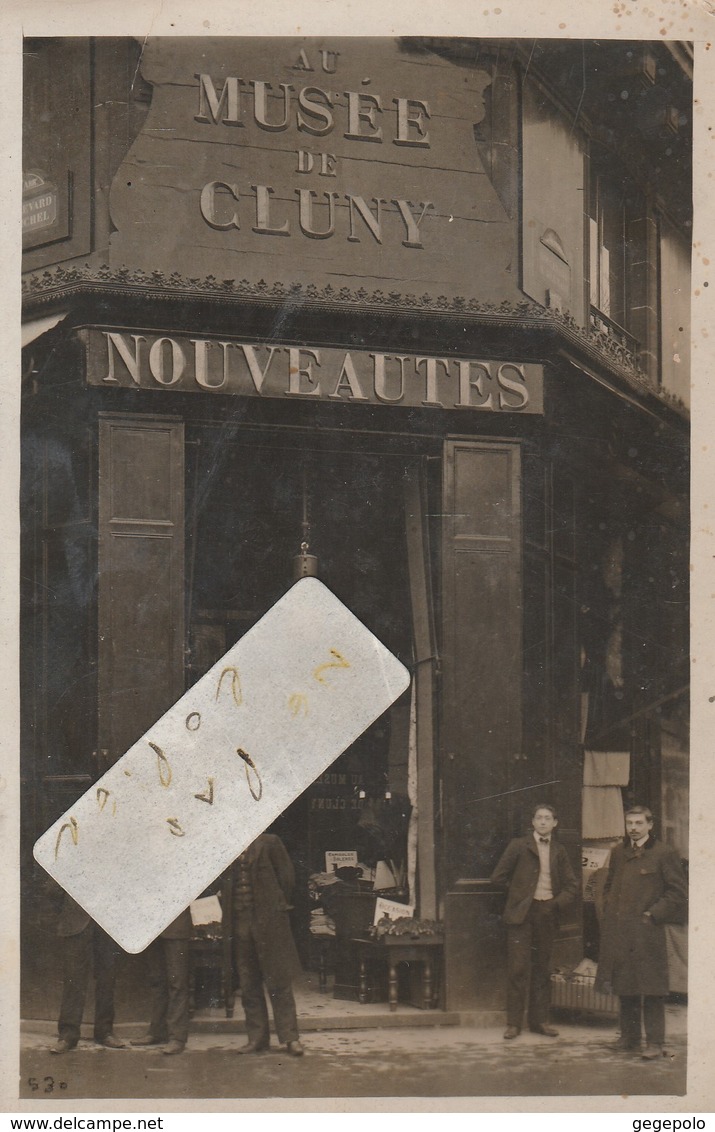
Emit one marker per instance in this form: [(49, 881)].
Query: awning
[(32, 330)]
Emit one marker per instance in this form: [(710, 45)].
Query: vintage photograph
[(355, 540)]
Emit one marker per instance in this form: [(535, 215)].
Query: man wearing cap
[(536, 871)]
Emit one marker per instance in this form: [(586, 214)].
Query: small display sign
[(221, 765)]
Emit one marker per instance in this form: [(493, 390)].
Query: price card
[(200, 785)]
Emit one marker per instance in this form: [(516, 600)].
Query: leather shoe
[(512, 1032), (252, 1047), (173, 1047), (545, 1029), (295, 1049), (650, 1053), (112, 1042), (148, 1040), (61, 1046)]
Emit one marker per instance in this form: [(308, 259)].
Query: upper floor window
[(607, 251), (618, 273)]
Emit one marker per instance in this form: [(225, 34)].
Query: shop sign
[(39, 204), (258, 369), (221, 764), (304, 161)]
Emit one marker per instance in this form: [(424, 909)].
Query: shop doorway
[(250, 506)]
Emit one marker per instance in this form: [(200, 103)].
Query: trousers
[(254, 982), (168, 976), (89, 948), (653, 1007), (529, 948)]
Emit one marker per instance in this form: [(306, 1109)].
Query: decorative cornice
[(41, 288)]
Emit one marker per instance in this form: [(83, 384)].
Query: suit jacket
[(633, 957), (72, 918), (518, 871), (272, 881), (180, 928)]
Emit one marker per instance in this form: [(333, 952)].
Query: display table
[(391, 950)]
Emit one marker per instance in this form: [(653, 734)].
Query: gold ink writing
[(209, 796), (235, 685), (163, 762), (73, 827), (102, 796), (298, 702), (175, 827), (193, 720), (338, 662), (251, 766)]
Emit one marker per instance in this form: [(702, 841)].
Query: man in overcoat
[(645, 889), (266, 955), (540, 882), (167, 961), (86, 947)]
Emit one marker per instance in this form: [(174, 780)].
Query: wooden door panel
[(140, 576)]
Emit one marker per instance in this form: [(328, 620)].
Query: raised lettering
[(348, 379), (201, 350), (326, 58), (305, 214), (358, 113), (305, 161), (260, 106), (467, 382), (328, 165), (296, 372), (516, 385), (381, 378), (405, 120), (130, 361), (373, 222), (263, 209), (258, 375), (412, 225), (208, 205), (156, 361), (431, 364), (302, 64), (313, 109), (208, 99)]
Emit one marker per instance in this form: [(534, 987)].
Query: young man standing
[(645, 889), (536, 871)]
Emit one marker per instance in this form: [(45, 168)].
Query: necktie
[(544, 840), (634, 844)]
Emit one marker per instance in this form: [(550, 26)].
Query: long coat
[(518, 870), (633, 958), (272, 881)]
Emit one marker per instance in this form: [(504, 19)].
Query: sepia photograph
[(354, 618)]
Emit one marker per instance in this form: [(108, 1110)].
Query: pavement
[(400, 1054)]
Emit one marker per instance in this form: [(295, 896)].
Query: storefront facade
[(344, 300)]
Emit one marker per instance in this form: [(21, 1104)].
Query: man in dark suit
[(537, 873), (266, 956), (85, 947), (167, 960), (645, 889)]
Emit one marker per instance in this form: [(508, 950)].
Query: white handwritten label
[(221, 764)]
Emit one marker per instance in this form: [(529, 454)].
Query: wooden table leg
[(393, 986), (427, 984), (362, 993), (322, 976)]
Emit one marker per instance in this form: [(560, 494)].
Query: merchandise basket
[(579, 993)]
